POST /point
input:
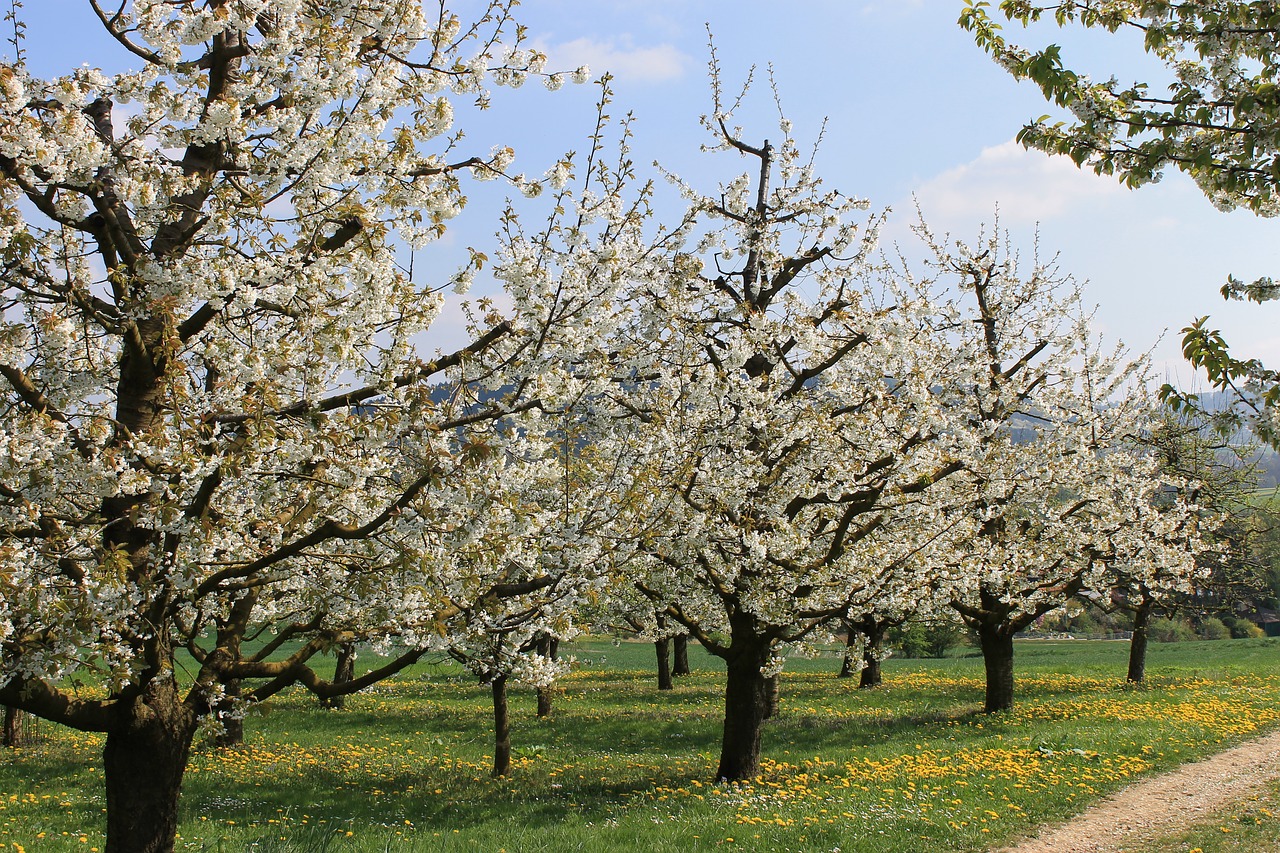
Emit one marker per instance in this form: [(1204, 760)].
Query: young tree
[(210, 385), (344, 670), (655, 628), (528, 560), (1217, 118)]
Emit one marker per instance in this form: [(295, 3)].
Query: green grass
[(620, 766)]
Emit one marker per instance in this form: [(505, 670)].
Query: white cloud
[(624, 60), (1028, 187), (449, 332)]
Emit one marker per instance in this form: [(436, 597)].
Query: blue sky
[(913, 110)]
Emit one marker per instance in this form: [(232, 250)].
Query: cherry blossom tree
[(215, 419), (530, 559), (1207, 479), (1060, 489), (777, 397), (864, 650), (1215, 117)]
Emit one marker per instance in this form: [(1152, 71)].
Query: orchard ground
[(619, 765)]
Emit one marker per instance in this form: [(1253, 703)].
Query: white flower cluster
[(743, 422)]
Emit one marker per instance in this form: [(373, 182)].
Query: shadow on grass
[(431, 799)]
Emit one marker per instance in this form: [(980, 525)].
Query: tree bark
[(501, 728), (663, 649), (850, 643), (546, 702), (344, 672), (143, 763), (772, 696), (745, 703), (13, 725), (232, 734), (681, 665), (547, 647), (997, 656), (1138, 643), (872, 674)]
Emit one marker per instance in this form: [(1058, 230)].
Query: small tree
[(1207, 478), (864, 638), (344, 671)]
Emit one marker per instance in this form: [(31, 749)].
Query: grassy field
[(620, 766)]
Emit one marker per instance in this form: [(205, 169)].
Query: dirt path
[(1163, 804)]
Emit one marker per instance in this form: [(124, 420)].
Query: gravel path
[(1163, 804)]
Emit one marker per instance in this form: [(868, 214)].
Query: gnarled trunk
[(997, 656), (1138, 643), (681, 665), (143, 763), (501, 728)]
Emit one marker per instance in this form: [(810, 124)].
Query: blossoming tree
[(1215, 117), (1059, 488), (210, 386), (781, 411), (1207, 478)]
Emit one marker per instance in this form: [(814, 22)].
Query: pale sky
[(914, 110)]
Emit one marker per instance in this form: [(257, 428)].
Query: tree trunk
[(13, 725), (344, 671), (772, 696), (850, 643), (1138, 643), (232, 734), (143, 764), (546, 701), (745, 702), (681, 643), (663, 648), (501, 728), (997, 656), (149, 738), (871, 655), (547, 647)]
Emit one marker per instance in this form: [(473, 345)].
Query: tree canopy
[(1215, 117), (223, 446), (216, 423)]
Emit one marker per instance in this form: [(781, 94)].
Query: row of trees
[(745, 424)]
